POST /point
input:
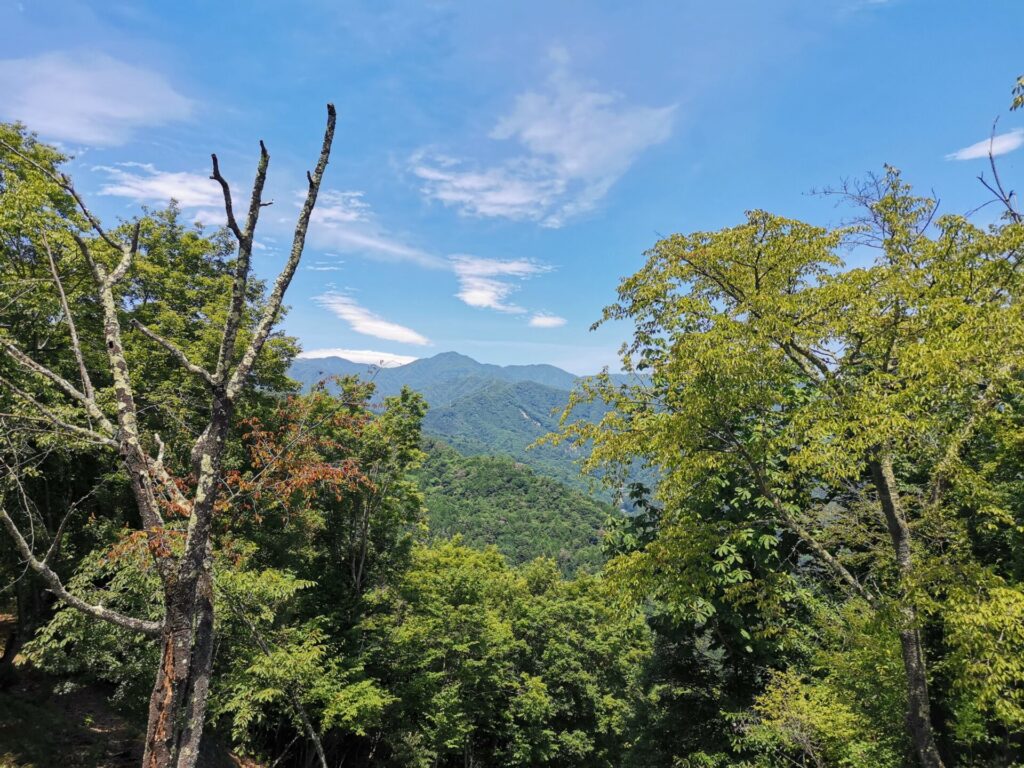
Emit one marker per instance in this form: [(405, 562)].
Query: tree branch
[(48, 415), (242, 263), (76, 345), (796, 528), (296, 702), (90, 405), (127, 256), (988, 400), (52, 580), (270, 312), (176, 352), (228, 207), (64, 182), (1000, 193)]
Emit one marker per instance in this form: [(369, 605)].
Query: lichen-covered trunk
[(177, 706), (919, 724)]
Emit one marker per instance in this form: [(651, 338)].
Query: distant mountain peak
[(453, 356)]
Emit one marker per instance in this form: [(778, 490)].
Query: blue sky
[(499, 167)]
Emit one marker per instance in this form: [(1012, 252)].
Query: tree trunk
[(177, 706), (919, 723)]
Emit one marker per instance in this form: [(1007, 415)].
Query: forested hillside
[(495, 500), (482, 409)]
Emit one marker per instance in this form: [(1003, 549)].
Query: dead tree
[(177, 706)]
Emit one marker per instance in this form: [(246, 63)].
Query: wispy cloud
[(520, 189), (144, 183), (578, 141), (343, 220), (364, 356), (88, 98), (212, 217), (546, 320), (1000, 145), (325, 266), (337, 206), (362, 320), (484, 283)]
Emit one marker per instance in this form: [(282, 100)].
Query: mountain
[(441, 378), (496, 500), (479, 409)]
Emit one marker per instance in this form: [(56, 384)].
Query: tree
[(324, 505), (789, 395), (493, 665), (98, 403)]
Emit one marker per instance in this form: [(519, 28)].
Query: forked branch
[(284, 279)]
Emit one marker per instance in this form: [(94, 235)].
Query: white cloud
[(1000, 145), (545, 320), (365, 356), (520, 189), (334, 206), (213, 217), (325, 266), (481, 282), (578, 142), (89, 98), (143, 183), (362, 320), (342, 220)]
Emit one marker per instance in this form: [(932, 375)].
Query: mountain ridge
[(479, 408), (432, 376)]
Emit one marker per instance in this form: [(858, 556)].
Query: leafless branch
[(273, 306), (242, 262), (54, 583), (229, 210), (996, 188), (76, 345), (176, 352)]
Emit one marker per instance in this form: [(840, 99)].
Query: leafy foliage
[(505, 667)]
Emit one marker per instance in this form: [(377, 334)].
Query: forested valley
[(802, 543)]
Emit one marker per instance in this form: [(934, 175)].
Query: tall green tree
[(790, 394)]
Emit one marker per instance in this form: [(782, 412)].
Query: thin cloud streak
[(1002, 144), (364, 356), (362, 320), (344, 221), (545, 320)]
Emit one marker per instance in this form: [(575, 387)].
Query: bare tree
[(177, 707)]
